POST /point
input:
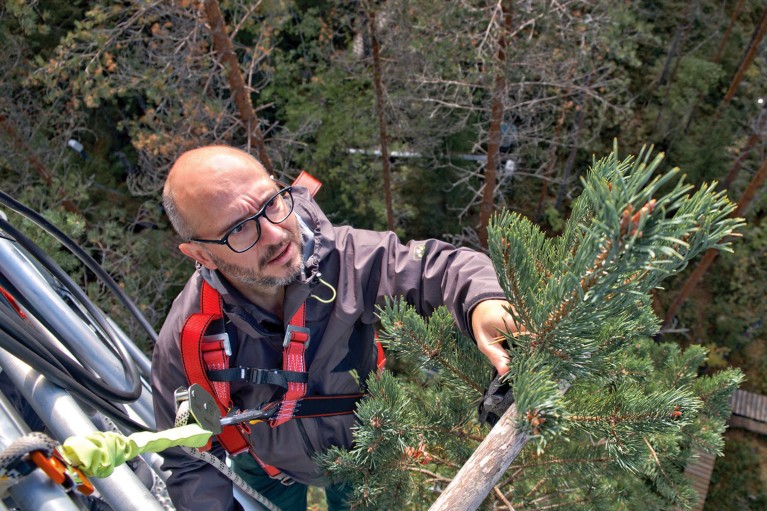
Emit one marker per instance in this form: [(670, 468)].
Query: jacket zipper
[(305, 436)]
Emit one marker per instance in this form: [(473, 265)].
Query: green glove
[(98, 454)]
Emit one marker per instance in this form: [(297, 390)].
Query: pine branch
[(614, 262), (588, 281), (433, 342)]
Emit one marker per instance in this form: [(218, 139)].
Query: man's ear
[(199, 254)]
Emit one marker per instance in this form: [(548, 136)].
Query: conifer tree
[(611, 417)]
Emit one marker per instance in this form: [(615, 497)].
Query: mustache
[(272, 251)]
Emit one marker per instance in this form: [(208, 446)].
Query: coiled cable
[(83, 256), (49, 358)]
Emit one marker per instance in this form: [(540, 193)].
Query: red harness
[(206, 362)]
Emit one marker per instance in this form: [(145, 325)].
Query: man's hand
[(488, 319)]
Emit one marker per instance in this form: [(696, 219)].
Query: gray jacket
[(364, 267)]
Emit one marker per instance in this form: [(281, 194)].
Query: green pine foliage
[(611, 416)]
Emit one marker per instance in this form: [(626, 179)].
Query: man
[(268, 249)]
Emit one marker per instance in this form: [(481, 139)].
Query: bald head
[(202, 180)]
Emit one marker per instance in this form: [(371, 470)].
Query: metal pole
[(122, 490)]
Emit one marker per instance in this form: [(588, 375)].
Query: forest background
[(419, 116)]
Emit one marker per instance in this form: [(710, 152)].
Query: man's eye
[(237, 230), (271, 203)]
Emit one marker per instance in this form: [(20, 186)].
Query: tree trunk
[(750, 143), (726, 36), (484, 468), (240, 94), (380, 113), (575, 141), (753, 46), (708, 258), (680, 30), (577, 128), (551, 162), (717, 59), (666, 74), (487, 205)]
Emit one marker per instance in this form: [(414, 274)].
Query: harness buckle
[(224, 338), (291, 330), (253, 415), (284, 479)]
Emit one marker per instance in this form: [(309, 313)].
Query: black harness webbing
[(259, 376)]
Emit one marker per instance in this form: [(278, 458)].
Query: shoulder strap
[(197, 351), (294, 360), (308, 181)]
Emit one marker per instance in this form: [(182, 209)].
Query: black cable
[(53, 372), (89, 262), (112, 341), (58, 363)]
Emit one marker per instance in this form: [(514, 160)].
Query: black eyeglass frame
[(261, 213)]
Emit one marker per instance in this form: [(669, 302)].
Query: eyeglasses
[(245, 234)]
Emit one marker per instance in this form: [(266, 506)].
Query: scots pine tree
[(609, 416)]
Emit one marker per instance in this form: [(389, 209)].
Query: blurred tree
[(152, 67), (383, 137), (240, 93)]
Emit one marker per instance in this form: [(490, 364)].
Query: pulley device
[(36, 450), (204, 410)]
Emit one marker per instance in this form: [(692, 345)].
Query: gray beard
[(253, 278)]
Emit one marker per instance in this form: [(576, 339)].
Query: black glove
[(497, 399)]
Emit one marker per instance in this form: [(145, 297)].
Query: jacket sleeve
[(427, 273), (192, 484)]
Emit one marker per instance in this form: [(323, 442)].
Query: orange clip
[(82, 483), (62, 474), (52, 467)]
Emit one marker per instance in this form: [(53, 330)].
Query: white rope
[(12, 454), (182, 417)]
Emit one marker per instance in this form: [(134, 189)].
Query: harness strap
[(197, 352), (308, 181), (381, 360), (323, 406), (259, 376), (294, 360), (306, 408)]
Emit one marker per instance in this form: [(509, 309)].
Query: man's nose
[(271, 233)]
